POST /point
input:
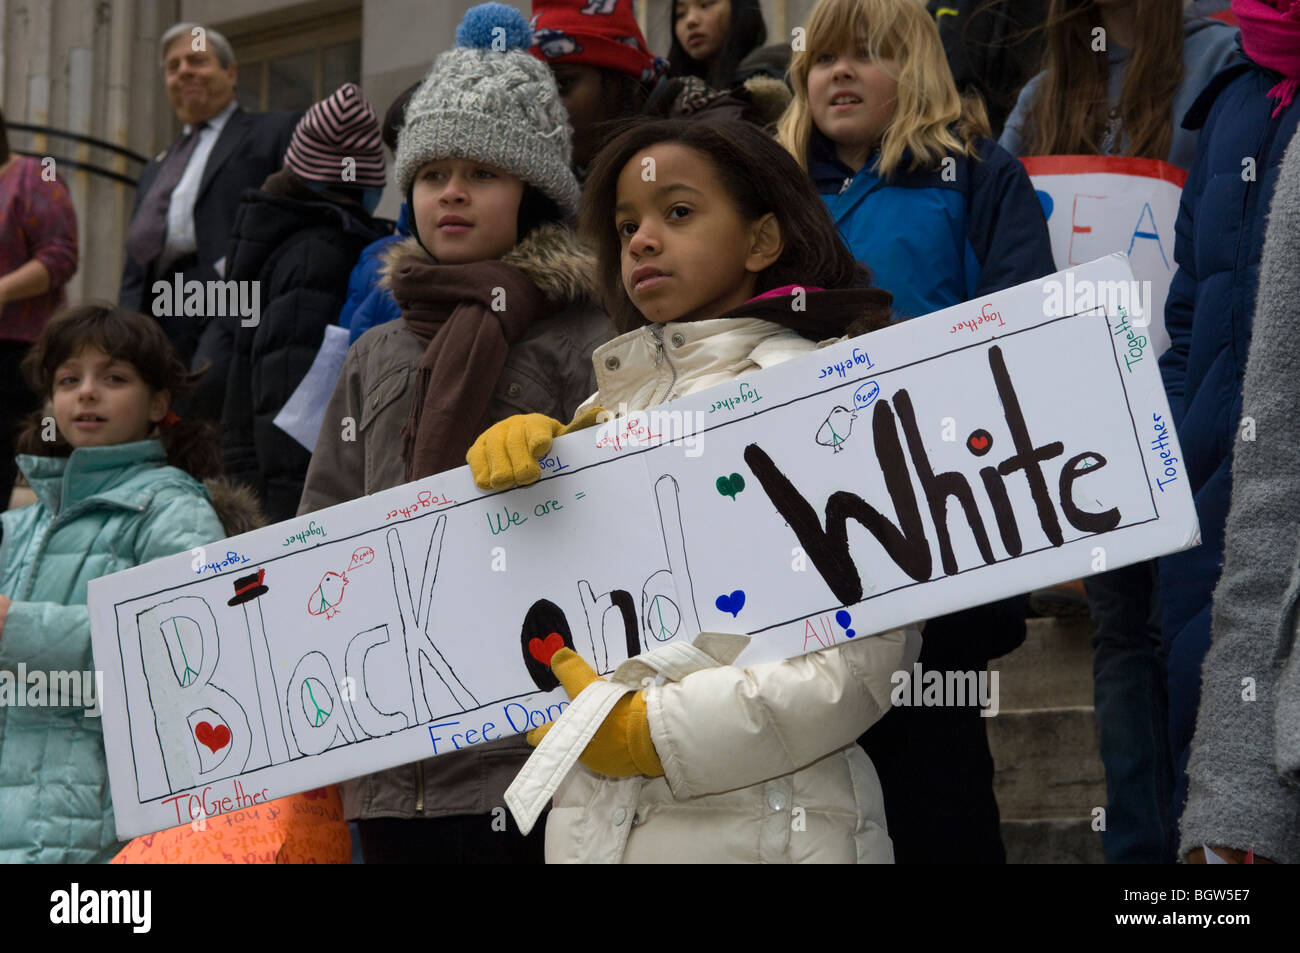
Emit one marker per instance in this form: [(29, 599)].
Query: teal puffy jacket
[(100, 510)]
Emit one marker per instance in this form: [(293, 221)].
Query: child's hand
[(622, 747), (506, 453), (4, 611)]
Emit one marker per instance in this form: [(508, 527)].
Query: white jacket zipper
[(657, 331)]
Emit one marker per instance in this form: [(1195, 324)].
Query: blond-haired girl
[(939, 212)]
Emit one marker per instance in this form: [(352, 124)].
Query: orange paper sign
[(305, 828)]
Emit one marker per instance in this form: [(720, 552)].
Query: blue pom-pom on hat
[(477, 28)]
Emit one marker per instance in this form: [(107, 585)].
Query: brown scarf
[(451, 309)]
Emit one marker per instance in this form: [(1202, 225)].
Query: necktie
[(147, 232)]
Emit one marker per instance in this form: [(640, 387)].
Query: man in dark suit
[(188, 195)]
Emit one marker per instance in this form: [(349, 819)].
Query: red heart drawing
[(979, 443), (215, 738), (544, 649)]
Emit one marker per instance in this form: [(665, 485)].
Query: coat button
[(611, 363), (679, 339), (777, 801), (620, 816), (514, 389)]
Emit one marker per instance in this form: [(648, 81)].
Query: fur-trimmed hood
[(235, 505), (551, 256)]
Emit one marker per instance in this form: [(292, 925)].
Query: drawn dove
[(328, 594), (837, 427)]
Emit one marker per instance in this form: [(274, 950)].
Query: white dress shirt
[(181, 239)]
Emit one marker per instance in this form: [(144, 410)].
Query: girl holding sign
[(699, 264), (117, 484), (942, 215)]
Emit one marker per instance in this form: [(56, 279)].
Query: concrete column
[(89, 68)]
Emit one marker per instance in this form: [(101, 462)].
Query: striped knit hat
[(336, 129)]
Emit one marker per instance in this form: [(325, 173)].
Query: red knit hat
[(599, 33), (342, 126)]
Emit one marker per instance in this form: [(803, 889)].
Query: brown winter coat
[(548, 371)]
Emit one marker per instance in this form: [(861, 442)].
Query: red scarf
[(1270, 35)]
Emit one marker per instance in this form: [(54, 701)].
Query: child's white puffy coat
[(760, 763)]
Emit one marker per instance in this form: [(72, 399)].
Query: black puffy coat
[(301, 248)]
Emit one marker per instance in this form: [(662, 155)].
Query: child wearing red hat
[(601, 63)]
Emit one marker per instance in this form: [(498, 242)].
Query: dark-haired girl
[(697, 266), (117, 485), (711, 37), (603, 68)]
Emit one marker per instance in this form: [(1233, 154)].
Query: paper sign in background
[(944, 463), (1097, 205)]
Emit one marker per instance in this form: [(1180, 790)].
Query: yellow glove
[(621, 747), (507, 452)]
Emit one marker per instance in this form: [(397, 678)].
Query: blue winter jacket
[(1219, 239), (100, 510), (369, 305), (938, 237)]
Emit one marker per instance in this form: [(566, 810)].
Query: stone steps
[(1048, 773)]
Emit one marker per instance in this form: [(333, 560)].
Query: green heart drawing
[(730, 486)]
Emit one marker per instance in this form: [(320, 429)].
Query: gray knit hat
[(489, 100)]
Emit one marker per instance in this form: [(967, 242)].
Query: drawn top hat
[(248, 588)]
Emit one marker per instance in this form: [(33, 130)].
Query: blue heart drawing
[(732, 603)]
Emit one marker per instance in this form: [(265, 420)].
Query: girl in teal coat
[(108, 500)]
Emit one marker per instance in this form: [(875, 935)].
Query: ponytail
[(192, 446)]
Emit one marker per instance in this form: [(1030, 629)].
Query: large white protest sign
[(1097, 205), (955, 459)]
